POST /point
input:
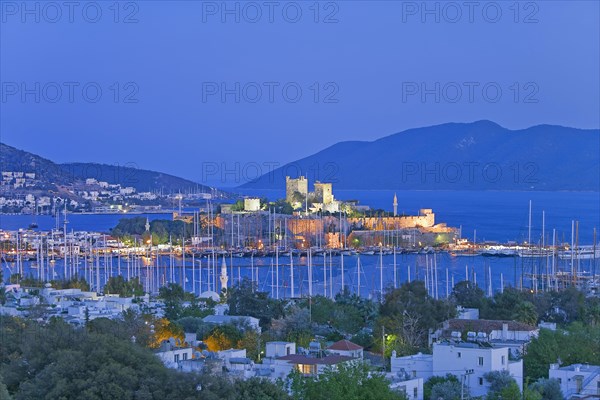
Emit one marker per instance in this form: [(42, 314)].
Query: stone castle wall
[(426, 219)]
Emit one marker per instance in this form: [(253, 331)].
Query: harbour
[(544, 259)]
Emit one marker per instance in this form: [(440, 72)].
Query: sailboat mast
[(380, 273), (529, 226), (342, 266), (277, 272), (436, 276), (65, 247), (292, 275), (395, 273), (330, 274), (358, 273), (309, 272)]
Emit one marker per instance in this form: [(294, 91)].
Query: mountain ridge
[(480, 155)]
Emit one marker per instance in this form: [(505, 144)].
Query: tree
[(579, 343), (124, 288), (191, 324), (294, 327), (4, 395), (238, 206), (72, 283), (251, 341), (547, 389), (245, 299), (434, 380), (503, 304), (572, 302), (160, 230), (448, 390), (367, 309), (56, 361), (526, 313), (165, 330), (223, 337), (510, 392), (345, 314), (171, 292), (259, 389), (173, 295), (502, 386), (468, 295), (409, 312), (345, 382), (592, 311)]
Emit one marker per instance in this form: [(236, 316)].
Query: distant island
[(455, 156)]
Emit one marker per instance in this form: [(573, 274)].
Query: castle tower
[(323, 192), (395, 205), (292, 186), (224, 278)]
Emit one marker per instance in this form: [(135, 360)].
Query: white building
[(127, 190), (280, 349), (226, 355), (468, 361), (172, 355), (281, 359), (497, 333), (417, 365), (577, 381), (306, 365), (346, 348), (236, 362), (411, 387), (251, 204)]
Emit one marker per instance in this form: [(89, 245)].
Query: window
[(414, 373), (560, 381), (503, 360), (184, 356), (480, 381), (459, 354), (176, 357), (307, 369), (416, 392), (480, 360)]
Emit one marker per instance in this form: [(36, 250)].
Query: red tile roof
[(344, 345)]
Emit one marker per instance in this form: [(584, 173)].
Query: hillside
[(49, 173), (456, 156)]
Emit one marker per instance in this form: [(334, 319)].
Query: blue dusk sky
[(171, 86)]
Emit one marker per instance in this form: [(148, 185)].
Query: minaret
[(395, 205), (223, 276), (147, 226)]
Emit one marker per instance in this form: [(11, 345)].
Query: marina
[(306, 254), (284, 272)]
